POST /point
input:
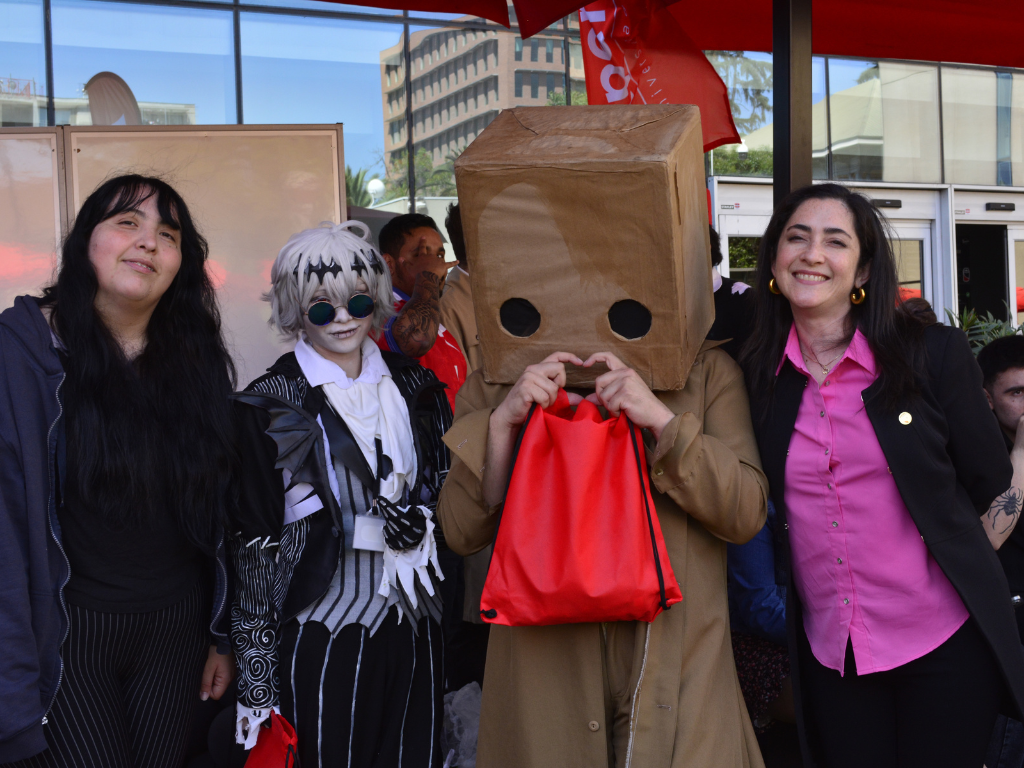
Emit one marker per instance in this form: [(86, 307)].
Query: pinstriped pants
[(358, 701), (130, 685)]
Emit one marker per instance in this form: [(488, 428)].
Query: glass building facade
[(885, 121), (428, 85), (285, 62)]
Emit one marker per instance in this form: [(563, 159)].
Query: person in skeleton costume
[(335, 622)]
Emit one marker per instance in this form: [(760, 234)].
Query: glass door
[(741, 237)]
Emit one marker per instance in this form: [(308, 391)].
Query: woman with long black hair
[(115, 470), (893, 489)]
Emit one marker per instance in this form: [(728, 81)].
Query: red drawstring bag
[(578, 539), (276, 747)]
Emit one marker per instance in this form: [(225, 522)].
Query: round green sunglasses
[(322, 312)]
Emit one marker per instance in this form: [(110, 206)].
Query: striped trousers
[(362, 701), (130, 685)]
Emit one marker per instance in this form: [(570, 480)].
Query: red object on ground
[(634, 52), (578, 539), (276, 747)]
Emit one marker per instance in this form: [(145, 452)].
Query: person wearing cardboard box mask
[(608, 293), (414, 252)]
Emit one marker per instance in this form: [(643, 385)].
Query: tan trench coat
[(629, 694)]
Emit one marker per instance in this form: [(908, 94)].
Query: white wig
[(330, 260)]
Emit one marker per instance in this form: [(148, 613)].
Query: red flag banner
[(635, 52)]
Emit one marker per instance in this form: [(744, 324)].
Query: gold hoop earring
[(773, 287), (858, 295)]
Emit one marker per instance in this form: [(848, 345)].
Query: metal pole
[(238, 65), (567, 52), (51, 111), (791, 51), (410, 150)]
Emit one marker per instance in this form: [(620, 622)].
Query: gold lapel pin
[(905, 418)]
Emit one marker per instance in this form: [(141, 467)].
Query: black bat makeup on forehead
[(319, 270), (371, 258)]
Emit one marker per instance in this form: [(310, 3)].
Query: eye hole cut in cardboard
[(519, 317), (587, 229)]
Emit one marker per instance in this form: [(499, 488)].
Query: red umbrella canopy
[(965, 31)]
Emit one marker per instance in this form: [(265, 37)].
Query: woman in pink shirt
[(893, 490)]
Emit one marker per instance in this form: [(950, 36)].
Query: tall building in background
[(462, 78)]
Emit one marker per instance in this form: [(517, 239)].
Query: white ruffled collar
[(318, 370)]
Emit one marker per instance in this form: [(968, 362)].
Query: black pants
[(130, 685), (364, 701), (936, 711)]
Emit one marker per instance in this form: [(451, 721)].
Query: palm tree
[(355, 187)]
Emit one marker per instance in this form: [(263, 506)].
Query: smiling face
[(816, 266), (341, 339), (135, 256)]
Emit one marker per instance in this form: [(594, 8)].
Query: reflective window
[(118, 64), (884, 121), (1018, 256), (748, 80), (22, 64), (909, 266), (983, 126), (302, 70)]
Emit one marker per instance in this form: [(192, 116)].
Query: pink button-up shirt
[(860, 566)]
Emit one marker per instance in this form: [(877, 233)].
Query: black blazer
[(949, 463)]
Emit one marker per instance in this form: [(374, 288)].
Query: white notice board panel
[(31, 200), (248, 187)]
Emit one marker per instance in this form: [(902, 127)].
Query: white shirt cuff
[(248, 721)]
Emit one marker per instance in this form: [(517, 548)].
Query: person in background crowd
[(881, 456), (457, 314), (734, 306), (918, 307), (757, 617), (337, 606), (1002, 368), (468, 641), (414, 252), (115, 471)]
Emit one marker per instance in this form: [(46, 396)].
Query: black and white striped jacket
[(282, 570)]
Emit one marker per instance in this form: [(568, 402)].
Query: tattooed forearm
[(415, 328), (1002, 515)]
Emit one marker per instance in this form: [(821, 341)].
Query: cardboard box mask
[(586, 230)]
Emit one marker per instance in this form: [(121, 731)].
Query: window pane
[(175, 64), (748, 79), (884, 120), (819, 120), (909, 260), (301, 70), (983, 124), (534, 85), (519, 48), (322, 5), (22, 64)]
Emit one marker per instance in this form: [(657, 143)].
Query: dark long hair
[(893, 335), (152, 433)]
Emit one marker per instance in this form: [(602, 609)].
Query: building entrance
[(981, 269)]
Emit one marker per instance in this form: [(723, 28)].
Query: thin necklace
[(824, 368)]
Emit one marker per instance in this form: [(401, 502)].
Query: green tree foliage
[(355, 186), (579, 99), (727, 162), (430, 181), (748, 83)]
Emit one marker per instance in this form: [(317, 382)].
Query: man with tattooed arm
[(1002, 366), (414, 251)]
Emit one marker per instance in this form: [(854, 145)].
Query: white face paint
[(340, 340)]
